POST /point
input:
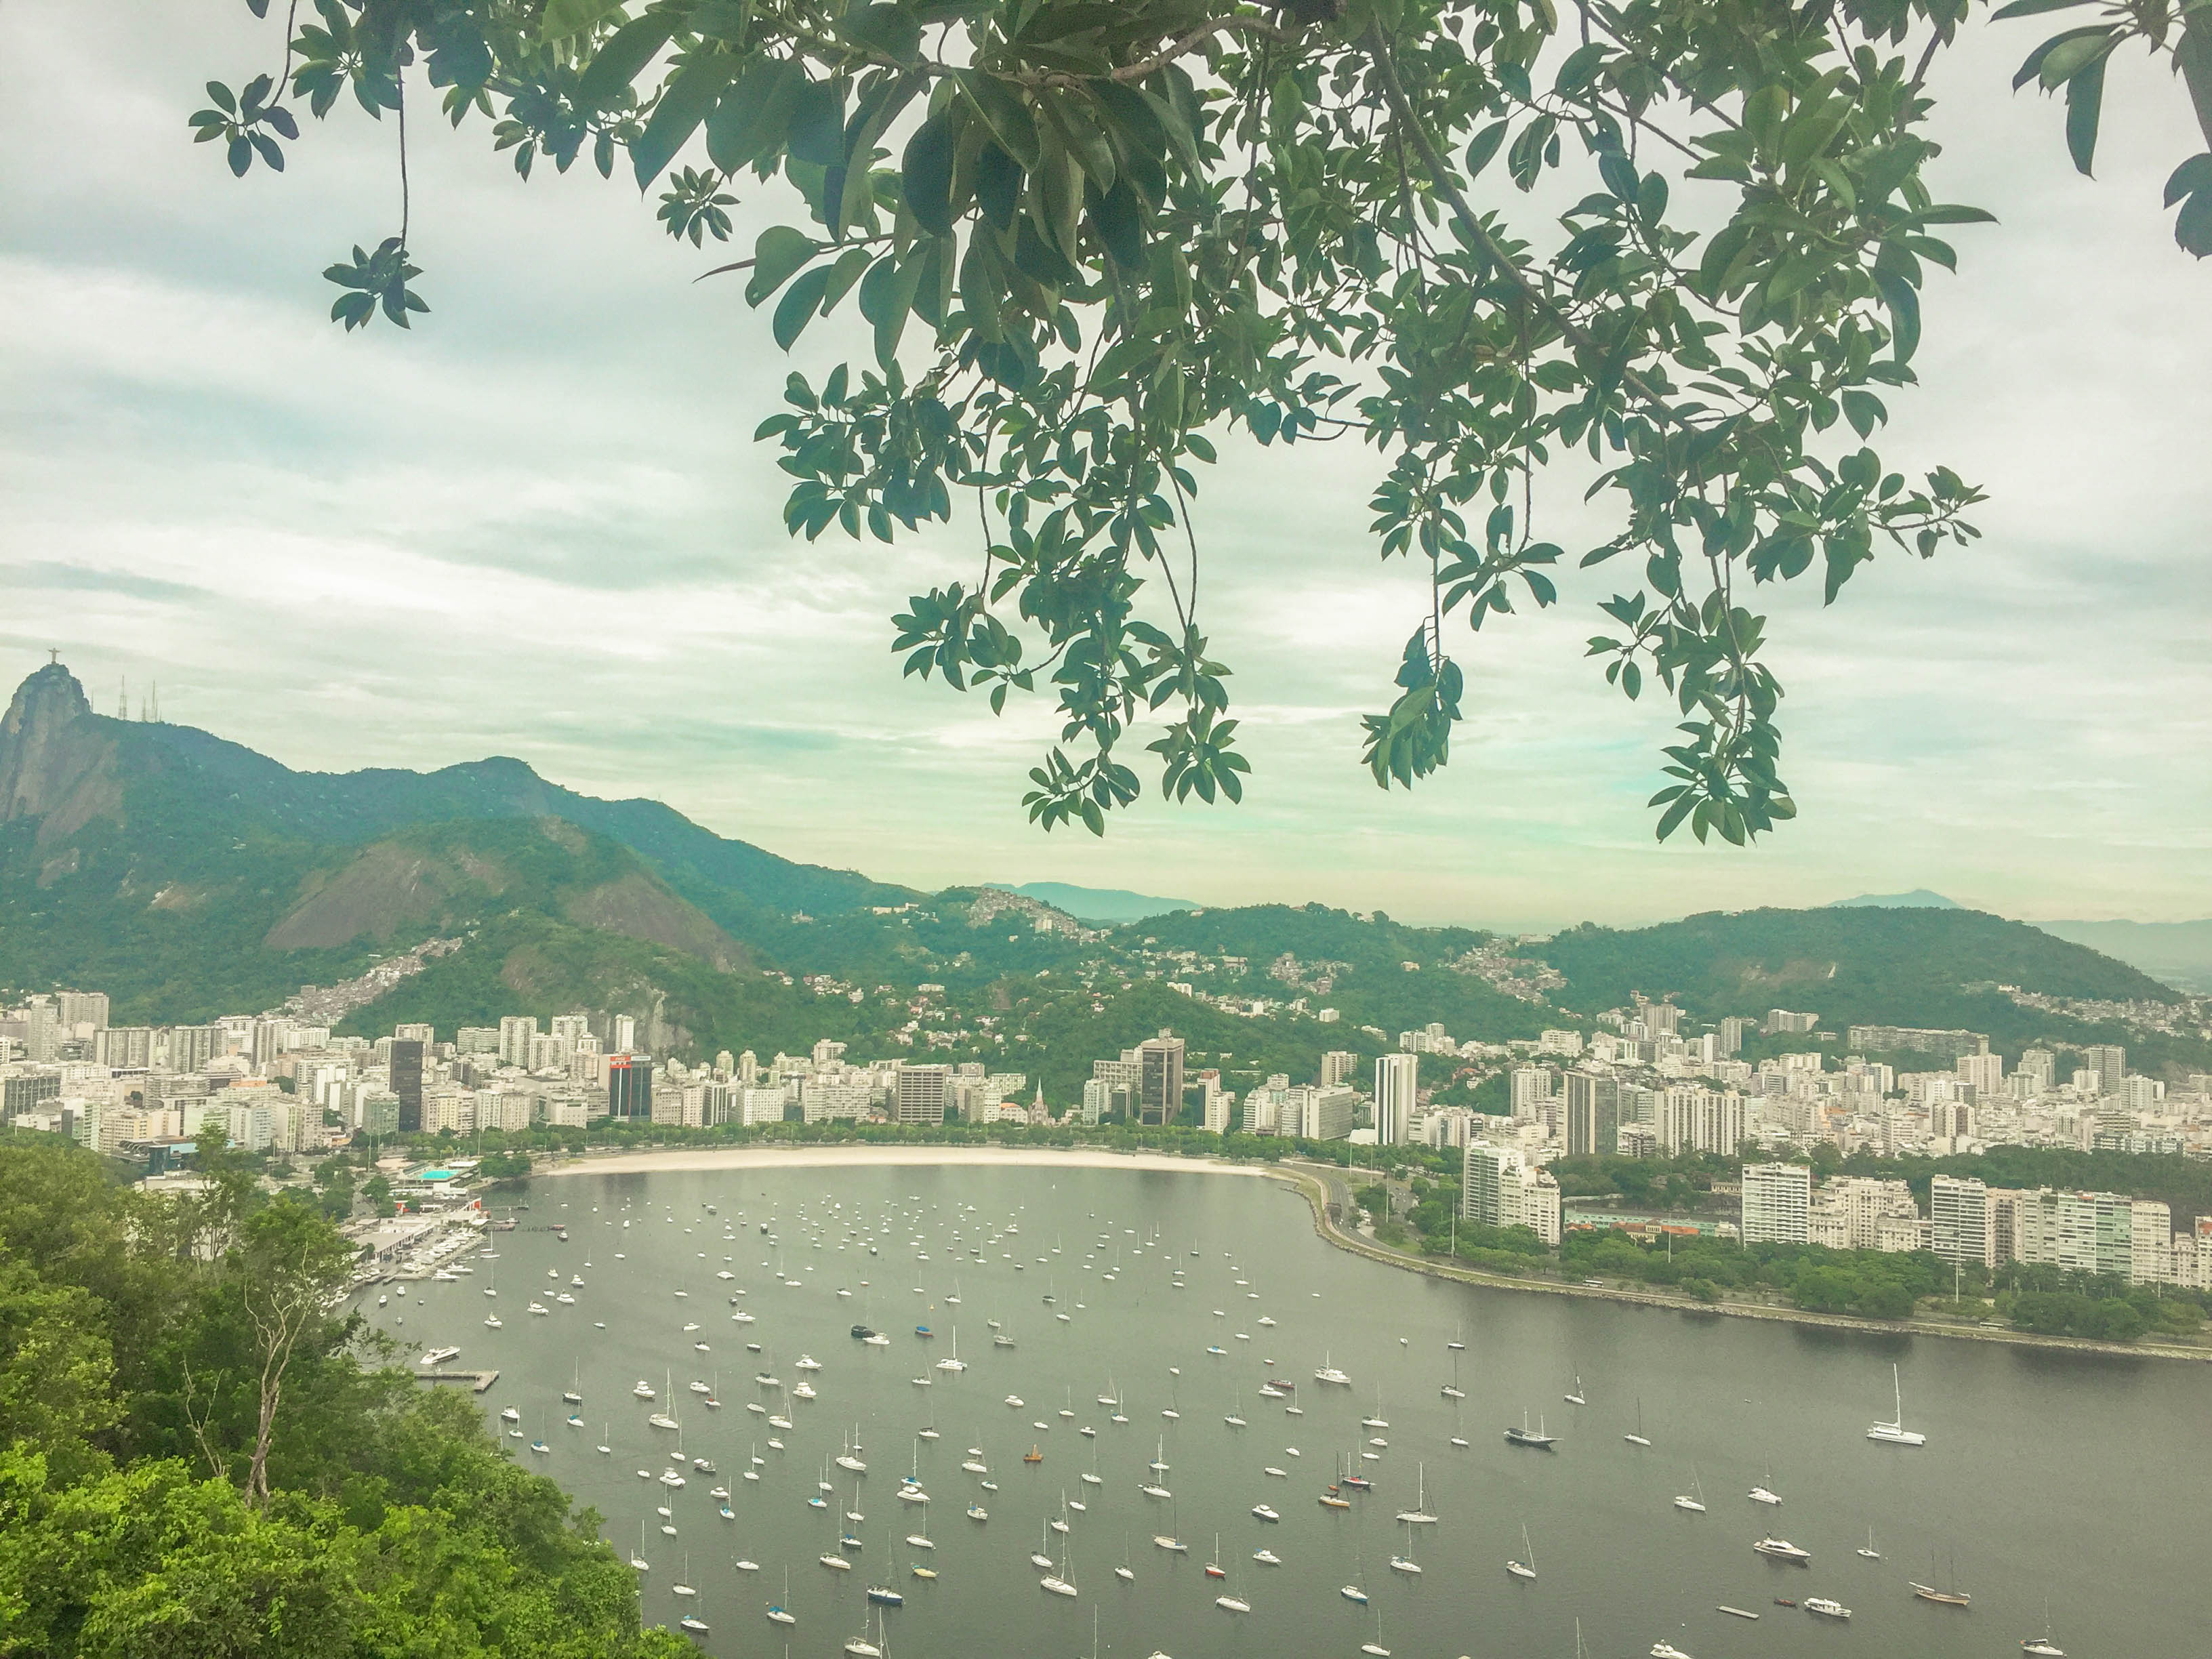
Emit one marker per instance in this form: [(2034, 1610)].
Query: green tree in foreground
[(196, 1462), (1089, 239)]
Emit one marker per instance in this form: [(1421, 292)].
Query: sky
[(538, 526)]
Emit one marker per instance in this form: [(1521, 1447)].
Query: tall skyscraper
[(83, 1008), (1159, 1086), (515, 1031), (1592, 1114), (1397, 1084), (629, 1088), (1778, 1203), (920, 1095), (406, 1067), (2109, 1062)]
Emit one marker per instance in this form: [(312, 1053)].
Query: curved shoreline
[(1310, 1183), (890, 1155), (1312, 1186)]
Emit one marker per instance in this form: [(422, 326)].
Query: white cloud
[(539, 525)]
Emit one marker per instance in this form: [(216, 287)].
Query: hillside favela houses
[(1639, 1084)]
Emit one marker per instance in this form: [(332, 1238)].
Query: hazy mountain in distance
[(1918, 899), (2179, 952), (1099, 903)]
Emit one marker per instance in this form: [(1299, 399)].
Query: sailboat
[(1058, 1581), (1169, 1540), (1419, 1515), (1684, 1501), (1524, 1569), (1868, 1551), (2042, 1646), (1214, 1568), (1764, 1492), (1459, 1331), (1893, 1432), (859, 1646), (571, 1393), (1534, 1438), (1376, 1646), (1952, 1597), (1405, 1563), (1638, 1440), (639, 1560), (1125, 1572), (1574, 1396), (684, 1585), (1452, 1389)]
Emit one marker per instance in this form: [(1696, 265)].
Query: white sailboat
[(1684, 1501), (1893, 1432), (1638, 1440), (1419, 1515), (1524, 1569)]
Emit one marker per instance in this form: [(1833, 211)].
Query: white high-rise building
[(515, 1031), (1778, 1203), (1397, 1084), (1530, 1088), (1959, 1218), (1499, 1188)]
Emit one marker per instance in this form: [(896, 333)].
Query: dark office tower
[(1160, 1083), (1592, 1114), (629, 1088), (407, 1082)]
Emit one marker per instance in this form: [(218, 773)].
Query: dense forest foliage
[(199, 1460)]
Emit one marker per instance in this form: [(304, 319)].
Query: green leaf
[(754, 114), (2085, 101), (2193, 176), (817, 123), (1483, 147), (1008, 119), (563, 18), (778, 253), (887, 29), (796, 308), (926, 173), (622, 56), (690, 93), (998, 186), (1903, 313), (1119, 220), (2032, 8)]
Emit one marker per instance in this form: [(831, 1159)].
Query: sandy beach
[(798, 1158)]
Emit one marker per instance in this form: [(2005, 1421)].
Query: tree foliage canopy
[(1669, 250)]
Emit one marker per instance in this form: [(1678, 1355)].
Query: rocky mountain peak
[(55, 760)]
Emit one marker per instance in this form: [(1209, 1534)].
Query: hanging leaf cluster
[(1673, 246)]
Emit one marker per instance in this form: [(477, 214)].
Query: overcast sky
[(538, 526)]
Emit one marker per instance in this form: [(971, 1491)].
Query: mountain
[(1101, 905), (1918, 899), (2179, 952), (190, 875), (1918, 967)]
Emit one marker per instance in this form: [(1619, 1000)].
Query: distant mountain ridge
[(1107, 904), (1918, 899), (190, 876), (2179, 952)]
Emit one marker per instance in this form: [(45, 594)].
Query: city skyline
[(214, 490)]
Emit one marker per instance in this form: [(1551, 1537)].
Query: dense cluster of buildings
[(1639, 1085), (276, 1081), (1972, 1224)]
